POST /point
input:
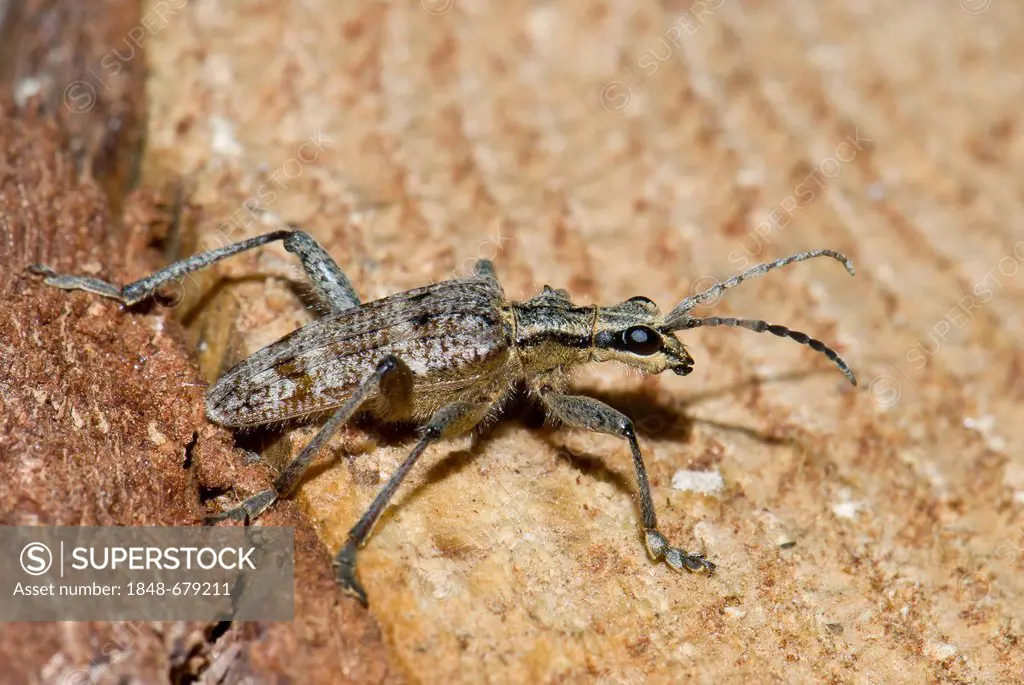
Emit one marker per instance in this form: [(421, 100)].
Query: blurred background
[(869, 534)]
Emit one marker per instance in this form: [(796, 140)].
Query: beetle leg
[(291, 475), (453, 418), (327, 278)]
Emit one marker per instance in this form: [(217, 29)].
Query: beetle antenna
[(759, 326), (678, 315)]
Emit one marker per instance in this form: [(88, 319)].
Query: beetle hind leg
[(328, 280), (289, 478)]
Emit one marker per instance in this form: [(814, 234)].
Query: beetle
[(444, 356)]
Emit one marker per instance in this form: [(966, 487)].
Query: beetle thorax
[(552, 334)]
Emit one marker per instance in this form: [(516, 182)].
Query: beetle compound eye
[(641, 340)]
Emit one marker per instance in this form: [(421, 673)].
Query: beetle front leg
[(590, 414)]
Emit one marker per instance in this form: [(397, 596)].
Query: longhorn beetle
[(444, 356)]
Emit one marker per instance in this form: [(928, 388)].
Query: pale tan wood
[(550, 137)]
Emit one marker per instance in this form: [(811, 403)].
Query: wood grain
[(625, 148)]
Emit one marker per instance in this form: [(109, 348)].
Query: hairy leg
[(590, 414), (451, 419), (327, 278), (292, 474)]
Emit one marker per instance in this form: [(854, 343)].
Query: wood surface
[(868, 534)]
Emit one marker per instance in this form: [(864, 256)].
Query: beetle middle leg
[(327, 278), (453, 418), (590, 414), (291, 475)]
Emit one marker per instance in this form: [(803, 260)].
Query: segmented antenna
[(759, 326), (679, 319), (677, 314)]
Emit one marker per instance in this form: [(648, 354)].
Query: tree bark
[(101, 409)]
